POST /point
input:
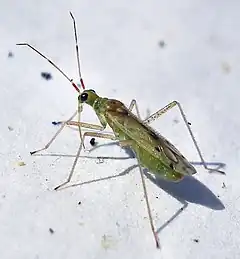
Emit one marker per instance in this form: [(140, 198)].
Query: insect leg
[(125, 143), (83, 124), (157, 114), (134, 104), (148, 206), (63, 124), (99, 135), (92, 134), (54, 137)]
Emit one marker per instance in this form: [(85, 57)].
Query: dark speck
[(189, 123), (161, 43), (223, 185), (79, 203), (10, 54), (46, 75), (196, 240), (93, 142), (56, 122), (10, 128), (171, 165), (51, 230)]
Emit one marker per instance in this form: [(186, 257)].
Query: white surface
[(121, 59)]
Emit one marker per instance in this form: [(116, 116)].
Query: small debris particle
[(218, 196), (46, 75), (56, 122), (107, 242), (226, 68), (10, 128), (189, 123), (79, 203), (161, 43), (196, 240), (21, 163), (223, 185), (10, 54), (100, 160), (93, 142), (51, 230), (156, 197), (176, 121)]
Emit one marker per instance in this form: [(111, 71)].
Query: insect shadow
[(188, 190)]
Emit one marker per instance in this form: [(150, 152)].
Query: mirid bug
[(152, 150)]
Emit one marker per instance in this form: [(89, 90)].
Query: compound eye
[(83, 97)]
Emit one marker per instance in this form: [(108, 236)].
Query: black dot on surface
[(47, 76), (10, 54), (196, 240), (51, 230), (92, 141), (161, 43)]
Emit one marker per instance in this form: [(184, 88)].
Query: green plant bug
[(152, 150)]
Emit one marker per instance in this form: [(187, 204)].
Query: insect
[(152, 150)]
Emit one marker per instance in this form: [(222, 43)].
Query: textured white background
[(121, 58)]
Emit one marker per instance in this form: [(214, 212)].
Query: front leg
[(91, 134)]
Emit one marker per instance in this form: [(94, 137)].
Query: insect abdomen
[(154, 165)]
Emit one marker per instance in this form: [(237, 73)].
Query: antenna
[(53, 64), (77, 51), (58, 68)]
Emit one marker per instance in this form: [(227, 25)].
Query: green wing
[(127, 126)]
